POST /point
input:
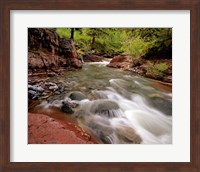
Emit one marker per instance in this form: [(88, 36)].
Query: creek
[(120, 108)]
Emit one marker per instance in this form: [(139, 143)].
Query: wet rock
[(57, 93), (44, 94), (100, 127), (36, 88), (120, 61), (77, 95), (53, 88), (62, 89), (61, 86), (98, 94), (50, 84), (66, 108), (105, 139), (43, 129), (30, 87), (40, 89), (32, 95), (56, 103), (42, 84), (71, 104), (92, 58), (162, 104), (128, 134), (105, 107)]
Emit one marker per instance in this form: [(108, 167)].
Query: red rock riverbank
[(43, 129)]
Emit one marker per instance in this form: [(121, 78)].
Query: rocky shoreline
[(140, 67), (50, 119), (49, 55)]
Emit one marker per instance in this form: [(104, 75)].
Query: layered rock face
[(47, 50)]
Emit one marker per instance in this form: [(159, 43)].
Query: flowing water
[(120, 107)]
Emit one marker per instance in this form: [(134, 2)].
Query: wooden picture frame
[(193, 5)]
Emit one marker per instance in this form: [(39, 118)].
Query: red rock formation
[(120, 61), (43, 129), (47, 50), (92, 58)]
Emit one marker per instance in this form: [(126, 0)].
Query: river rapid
[(120, 107)]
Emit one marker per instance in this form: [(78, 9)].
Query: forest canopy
[(137, 42)]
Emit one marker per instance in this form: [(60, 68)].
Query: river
[(121, 108)]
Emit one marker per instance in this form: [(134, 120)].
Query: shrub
[(156, 71)]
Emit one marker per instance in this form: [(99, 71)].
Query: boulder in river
[(105, 107), (66, 108), (128, 134), (32, 95), (100, 127), (77, 95)]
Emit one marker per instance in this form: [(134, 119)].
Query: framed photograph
[(101, 85)]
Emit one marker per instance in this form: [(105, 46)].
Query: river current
[(121, 108)]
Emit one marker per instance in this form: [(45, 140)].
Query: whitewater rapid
[(121, 108)]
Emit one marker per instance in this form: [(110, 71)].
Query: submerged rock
[(105, 107), (77, 95), (128, 134), (161, 103), (100, 128)]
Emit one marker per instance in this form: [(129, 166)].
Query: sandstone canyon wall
[(46, 50)]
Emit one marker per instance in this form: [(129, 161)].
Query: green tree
[(94, 33)]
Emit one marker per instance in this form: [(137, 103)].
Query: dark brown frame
[(7, 5)]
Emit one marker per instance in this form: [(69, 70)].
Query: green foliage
[(136, 47), (63, 32), (157, 71), (133, 41), (161, 67)]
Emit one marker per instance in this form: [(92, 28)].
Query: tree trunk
[(92, 44), (72, 34)]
